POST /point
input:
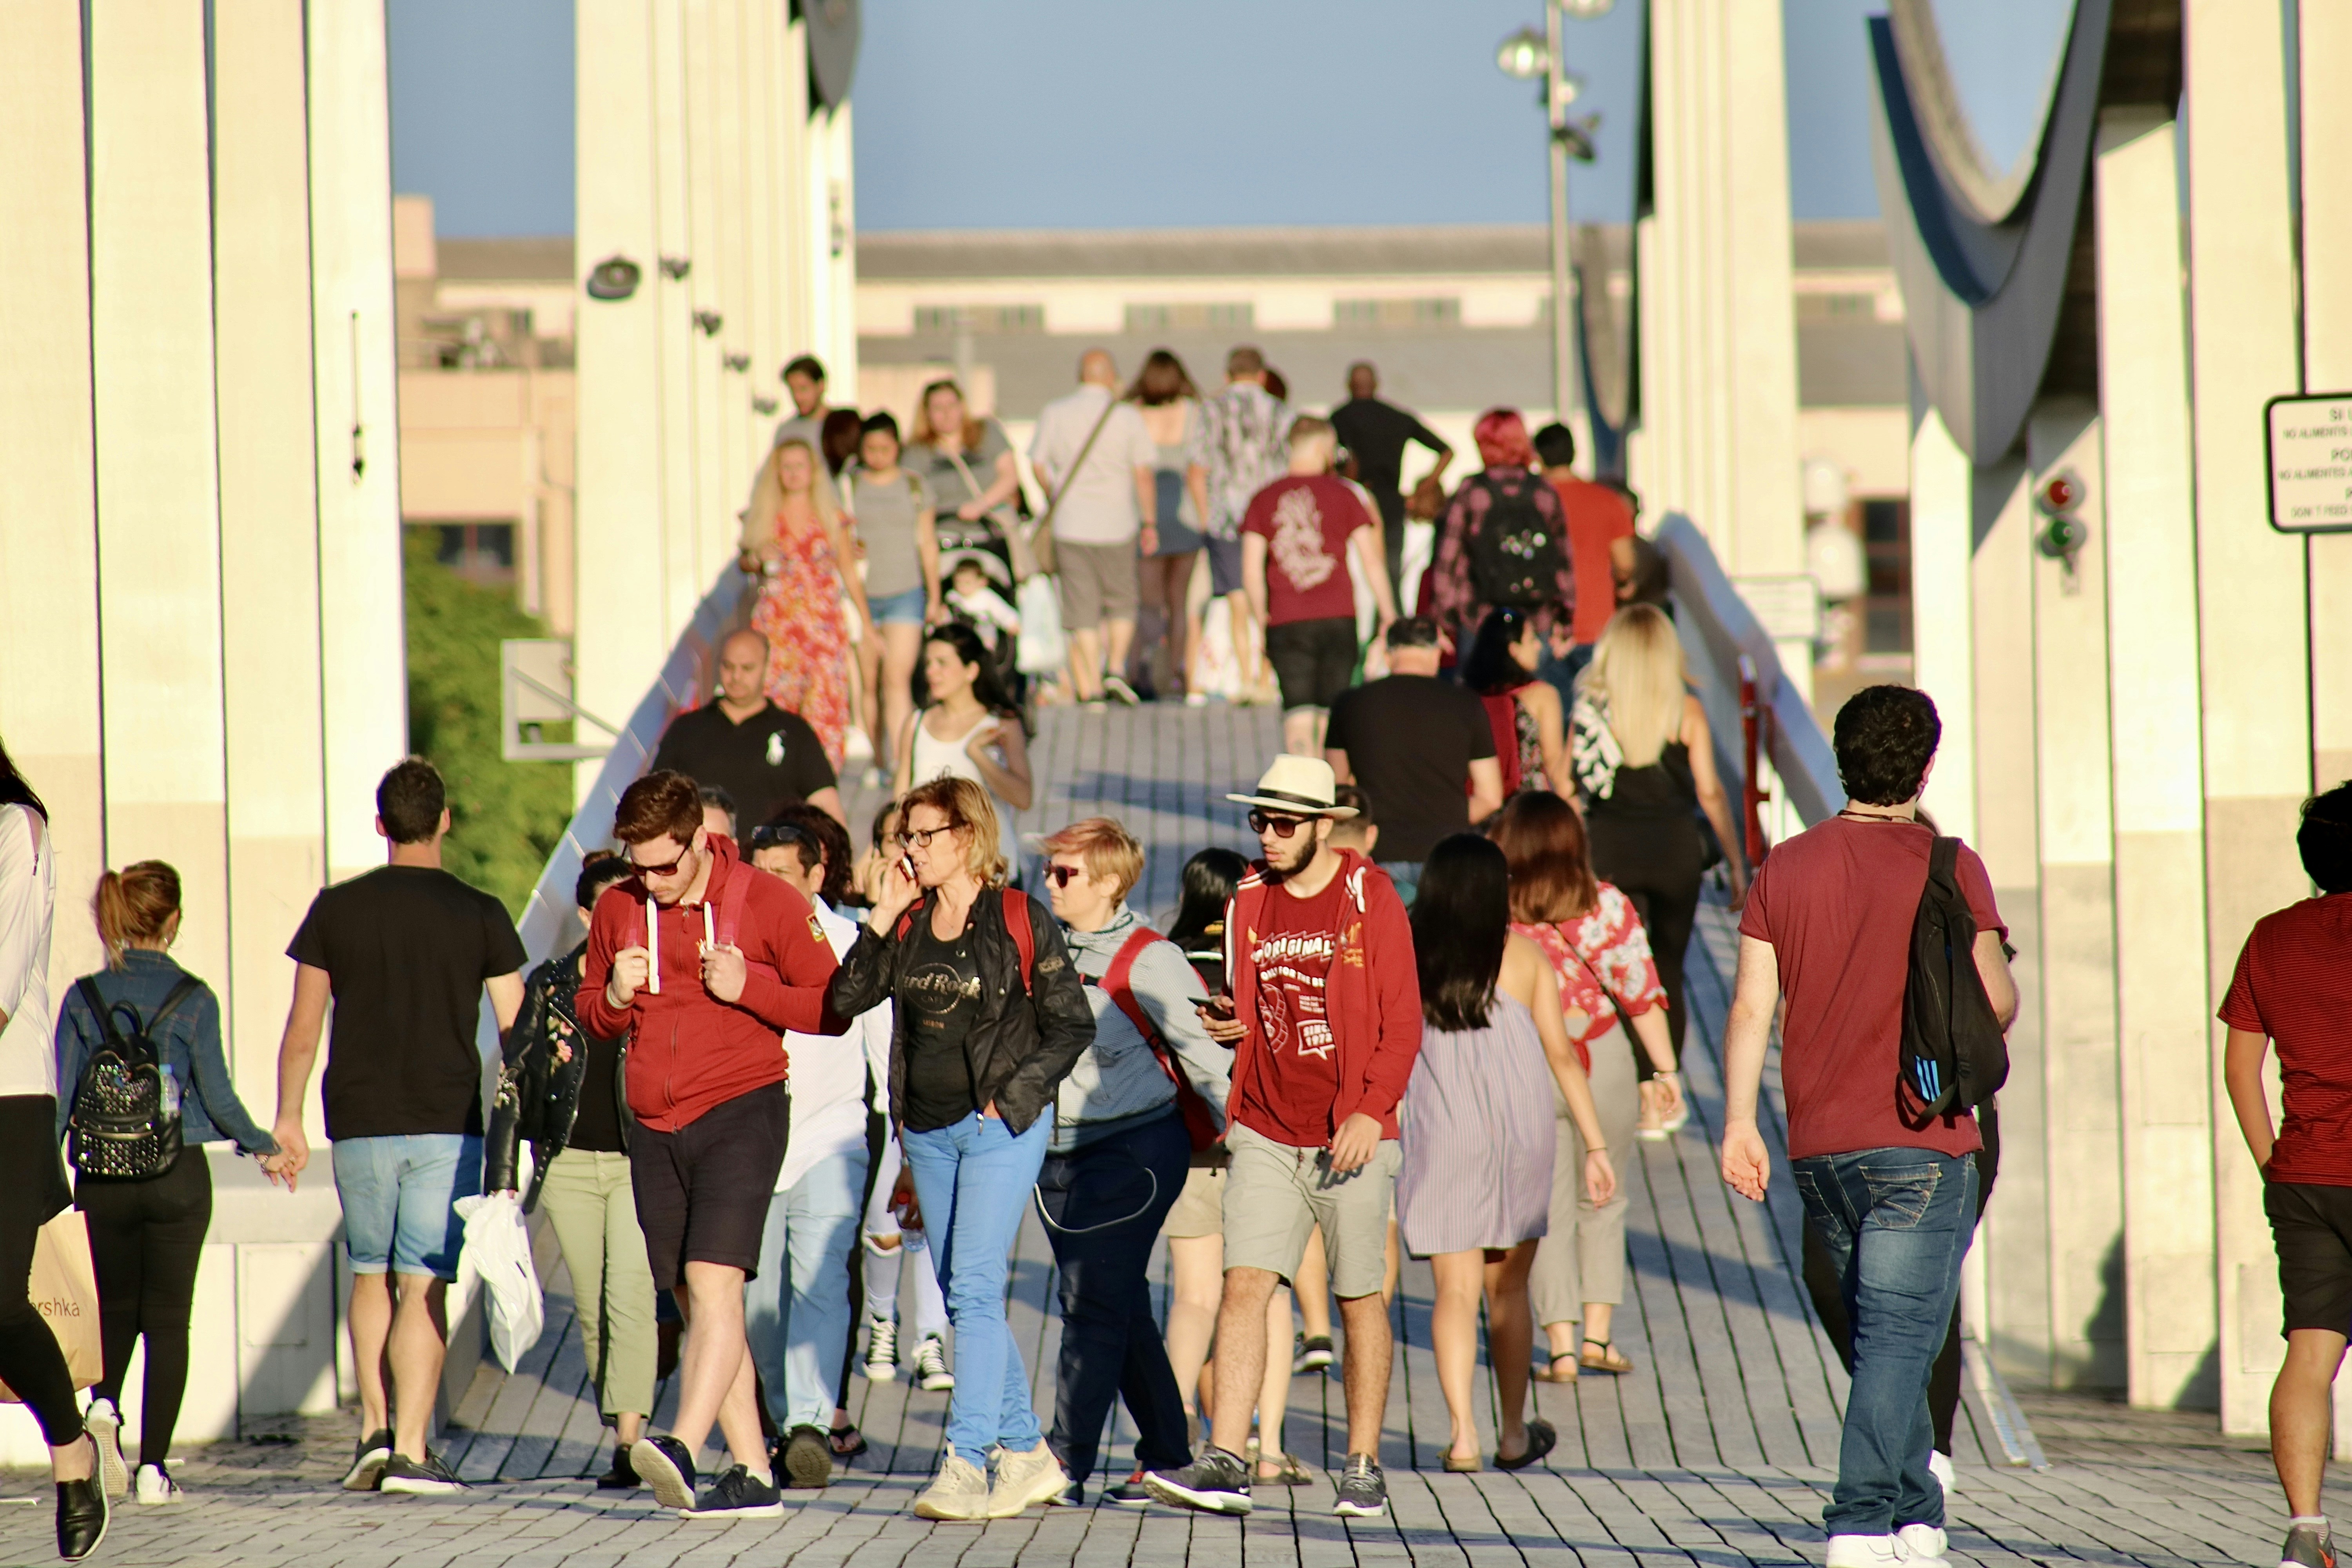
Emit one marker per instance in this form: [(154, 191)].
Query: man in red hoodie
[(1324, 1014), (705, 962)]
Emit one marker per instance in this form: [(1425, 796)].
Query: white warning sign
[(2310, 450)]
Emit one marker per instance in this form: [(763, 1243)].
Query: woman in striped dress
[(1474, 1191)]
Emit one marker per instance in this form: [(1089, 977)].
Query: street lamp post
[(1527, 55)]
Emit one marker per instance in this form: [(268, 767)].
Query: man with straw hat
[(1323, 1010)]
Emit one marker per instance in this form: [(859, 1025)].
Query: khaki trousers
[(1582, 1258), (588, 1200)]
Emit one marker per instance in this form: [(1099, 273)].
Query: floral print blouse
[(1602, 958)]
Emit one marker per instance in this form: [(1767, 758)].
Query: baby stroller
[(1005, 657)]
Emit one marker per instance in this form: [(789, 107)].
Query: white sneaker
[(932, 1372), (1939, 1465), (881, 1351), (156, 1486), (1921, 1546), (105, 1425), (1864, 1552), (1025, 1479), (957, 1495)]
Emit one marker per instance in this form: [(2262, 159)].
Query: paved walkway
[(1718, 1450)]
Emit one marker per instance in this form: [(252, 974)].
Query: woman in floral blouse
[(1608, 981)]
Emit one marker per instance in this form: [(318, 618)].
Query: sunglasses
[(1282, 827), (777, 835), (1062, 876), (920, 837), (669, 870)]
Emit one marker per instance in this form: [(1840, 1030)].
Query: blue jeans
[(399, 1193), (796, 1313), (1104, 1204), (973, 1179), (1896, 1223)]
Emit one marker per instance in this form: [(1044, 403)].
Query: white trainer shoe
[(1864, 1552), (1922, 1546), (881, 1351), (104, 1423), (156, 1486), (1939, 1465), (957, 1495)]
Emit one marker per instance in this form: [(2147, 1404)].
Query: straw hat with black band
[(1298, 786)]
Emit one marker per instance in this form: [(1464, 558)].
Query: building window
[(1886, 551), (481, 552), (1445, 311), (1197, 316), (1815, 308), (946, 320)]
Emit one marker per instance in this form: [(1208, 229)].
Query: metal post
[(1556, 100)]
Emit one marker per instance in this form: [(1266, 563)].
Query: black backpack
[(1517, 552), (1954, 1056), (123, 1122)]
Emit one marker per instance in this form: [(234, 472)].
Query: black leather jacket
[(539, 1097), (1022, 1045)]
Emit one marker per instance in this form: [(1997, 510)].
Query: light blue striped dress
[(1478, 1137)]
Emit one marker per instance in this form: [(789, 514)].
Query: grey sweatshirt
[(1118, 1083)]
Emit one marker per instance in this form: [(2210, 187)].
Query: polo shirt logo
[(775, 749)]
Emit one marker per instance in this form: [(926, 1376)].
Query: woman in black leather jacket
[(978, 1049), (561, 1088)]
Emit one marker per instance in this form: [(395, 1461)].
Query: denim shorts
[(399, 1193), (901, 609)]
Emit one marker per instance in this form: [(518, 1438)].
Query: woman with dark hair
[(1478, 1146), (896, 532), (147, 1231), (988, 1018), (1208, 882), (837, 438), (32, 1179), (1524, 713), (969, 728), (1600, 955), (1170, 407), (562, 1089), (1504, 537)]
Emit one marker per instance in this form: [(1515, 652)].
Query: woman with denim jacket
[(147, 1234), (561, 1089), (985, 1027)]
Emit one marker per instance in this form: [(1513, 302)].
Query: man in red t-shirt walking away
[(704, 963), (1828, 927), (1599, 540), (1324, 1014), (1296, 538), (2293, 986)]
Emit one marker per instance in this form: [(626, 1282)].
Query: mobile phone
[(907, 864), (1221, 1006)]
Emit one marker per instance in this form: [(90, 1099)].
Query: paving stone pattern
[(1718, 1449)]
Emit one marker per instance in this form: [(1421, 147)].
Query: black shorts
[(1314, 661), (2312, 1228), (703, 1191), (1224, 566)]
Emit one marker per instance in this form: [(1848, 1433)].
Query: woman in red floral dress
[(797, 539)]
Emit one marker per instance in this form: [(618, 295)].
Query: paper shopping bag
[(65, 1291)]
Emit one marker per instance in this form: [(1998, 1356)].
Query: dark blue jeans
[(1896, 1223), (1103, 1205)]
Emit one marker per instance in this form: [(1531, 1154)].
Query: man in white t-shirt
[(796, 1313), (1096, 462)]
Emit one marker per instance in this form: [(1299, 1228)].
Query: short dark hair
[(1884, 737), (410, 801), (1355, 795), (1412, 631), (1244, 360), (1556, 445), (663, 802), (2325, 839), (808, 827), (880, 420), (712, 795), (599, 870), (807, 365), (1490, 668)]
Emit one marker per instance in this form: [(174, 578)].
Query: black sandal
[(856, 1441), (1542, 1438)]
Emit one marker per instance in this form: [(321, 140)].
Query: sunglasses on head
[(1282, 827), (773, 835)]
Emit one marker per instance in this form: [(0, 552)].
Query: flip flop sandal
[(1552, 1373), (1291, 1474), (847, 1442), (1469, 1466), (1542, 1438), (1608, 1361)]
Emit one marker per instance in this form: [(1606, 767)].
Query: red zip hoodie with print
[(688, 1051)]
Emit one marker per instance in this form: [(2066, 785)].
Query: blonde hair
[(1109, 850), (968, 809), (1639, 680), (134, 904), (768, 496)]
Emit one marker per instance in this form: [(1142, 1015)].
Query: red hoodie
[(1372, 995), (688, 1051)]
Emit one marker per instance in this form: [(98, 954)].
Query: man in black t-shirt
[(1423, 748), (1376, 434), (407, 951), (763, 757)]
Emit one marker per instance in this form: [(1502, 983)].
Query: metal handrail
[(1722, 638)]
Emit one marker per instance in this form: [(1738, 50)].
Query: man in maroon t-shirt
[(1828, 927), (1296, 538), (2293, 986)]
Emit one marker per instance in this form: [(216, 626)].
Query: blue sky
[(1116, 114)]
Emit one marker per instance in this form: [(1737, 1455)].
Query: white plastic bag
[(497, 1249), (1043, 648)]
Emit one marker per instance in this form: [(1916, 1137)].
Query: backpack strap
[(1024, 938), (731, 894), (90, 998), (188, 987), (1118, 983)]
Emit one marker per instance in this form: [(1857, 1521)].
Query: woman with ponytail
[(147, 1232)]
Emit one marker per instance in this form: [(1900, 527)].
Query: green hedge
[(506, 818)]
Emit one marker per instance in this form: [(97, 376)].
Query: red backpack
[(1199, 1120)]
